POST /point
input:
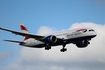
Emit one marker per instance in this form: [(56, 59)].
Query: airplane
[(79, 36)]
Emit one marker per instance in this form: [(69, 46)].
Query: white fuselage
[(64, 35)]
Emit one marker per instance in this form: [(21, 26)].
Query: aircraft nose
[(95, 34)]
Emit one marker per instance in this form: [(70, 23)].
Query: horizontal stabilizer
[(13, 41)]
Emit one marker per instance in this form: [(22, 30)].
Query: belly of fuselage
[(67, 41)]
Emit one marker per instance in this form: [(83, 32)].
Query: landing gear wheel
[(63, 50), (47, 47)]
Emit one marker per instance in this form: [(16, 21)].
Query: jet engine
[(50, 39), (82, 44)]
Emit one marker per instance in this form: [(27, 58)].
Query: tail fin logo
[(23, 27), (25, 30)]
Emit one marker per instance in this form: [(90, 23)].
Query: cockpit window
[(91, 30), (84, 30)]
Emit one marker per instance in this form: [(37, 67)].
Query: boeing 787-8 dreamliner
[(80, 37)]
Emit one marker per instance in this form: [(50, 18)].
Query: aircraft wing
[(37, 37), (13, 41), (24, 34)]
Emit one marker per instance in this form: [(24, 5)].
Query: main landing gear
[(63, 49), (47, 47)]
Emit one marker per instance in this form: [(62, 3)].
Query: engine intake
[(82, 44), (50, 39)]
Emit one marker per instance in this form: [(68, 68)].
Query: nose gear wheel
[(63, 49)]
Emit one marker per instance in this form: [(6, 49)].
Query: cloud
[(89, 58), (45, 30), (4, 57)]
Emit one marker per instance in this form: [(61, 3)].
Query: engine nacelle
[(50, 39), (82, 44)]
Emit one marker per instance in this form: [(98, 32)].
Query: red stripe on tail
[(26, 38), (24, 30), (23, 27)]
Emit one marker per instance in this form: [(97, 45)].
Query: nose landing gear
[(63, 49)]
